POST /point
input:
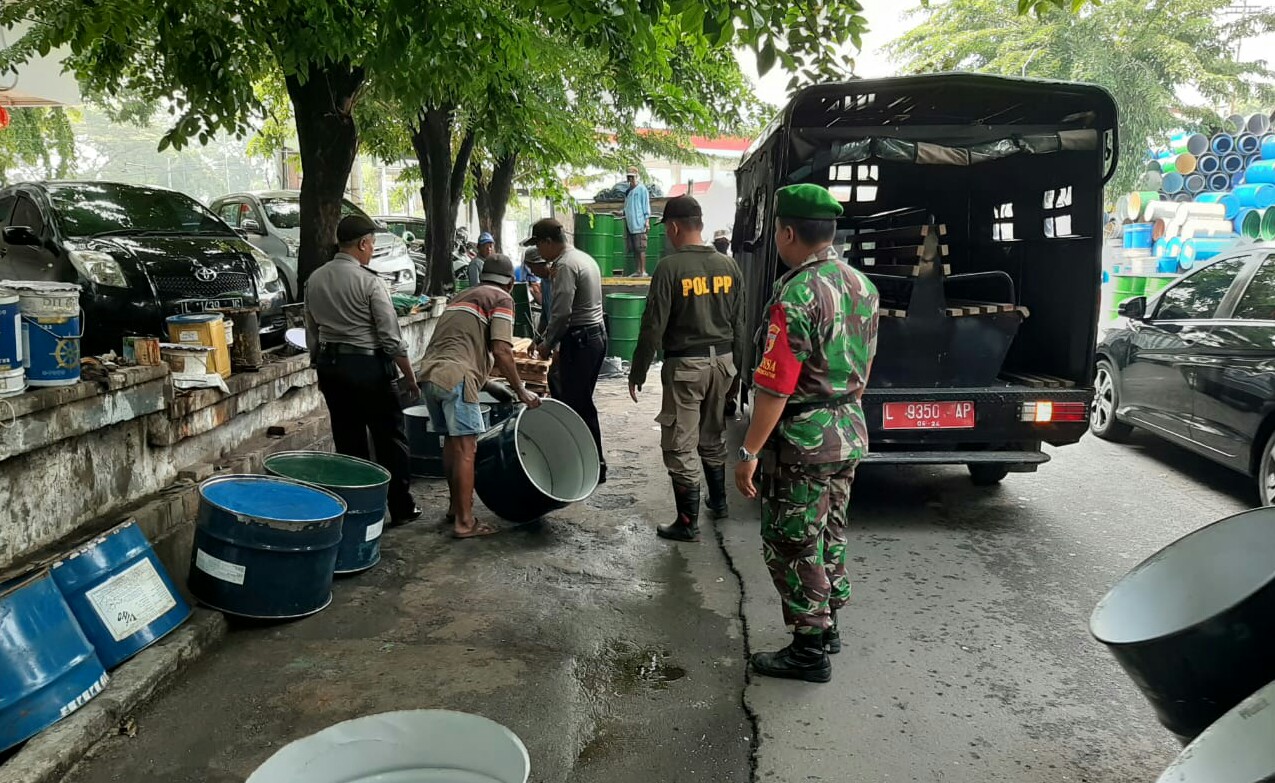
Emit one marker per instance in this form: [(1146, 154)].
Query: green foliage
[(1149, 55), (39, 141)]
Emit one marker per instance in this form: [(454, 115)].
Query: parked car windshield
[(285, 211), (96, 208)]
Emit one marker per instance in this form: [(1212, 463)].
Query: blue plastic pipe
[(1223, 143)]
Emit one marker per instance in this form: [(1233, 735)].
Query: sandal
[(480, 529)]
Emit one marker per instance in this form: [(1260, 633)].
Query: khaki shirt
[(460, 348), (695, 301), (345, 302)]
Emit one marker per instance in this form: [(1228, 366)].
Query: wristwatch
[(746, 456)]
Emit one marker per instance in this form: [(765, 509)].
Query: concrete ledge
[(50, 755)]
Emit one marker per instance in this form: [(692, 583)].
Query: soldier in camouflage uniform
[(808, 425)]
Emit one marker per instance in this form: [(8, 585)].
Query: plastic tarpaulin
[(930, 154)]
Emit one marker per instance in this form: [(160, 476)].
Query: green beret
[(807, 201)]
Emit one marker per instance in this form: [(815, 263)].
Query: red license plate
[(928, 416)]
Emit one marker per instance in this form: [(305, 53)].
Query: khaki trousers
[(692, 415)]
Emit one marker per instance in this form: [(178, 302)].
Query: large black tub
[(1194, 624), (540, 460), (1239, 748)]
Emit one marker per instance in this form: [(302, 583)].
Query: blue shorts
[(450, 414)]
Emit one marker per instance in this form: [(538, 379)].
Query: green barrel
[(655, 247), (1157, 283), (1268, 225), (619, 250), (522, 311), (1129, 286), (586, 235), (624, 319), (1251, 223)]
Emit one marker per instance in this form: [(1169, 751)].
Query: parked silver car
[(271, 220)]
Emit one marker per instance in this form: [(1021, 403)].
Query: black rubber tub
[(1239, 748), (538, 461), (1194, 624)]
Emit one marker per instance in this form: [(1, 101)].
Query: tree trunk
[(444, 184), (328, 143), (499, 190), (482, 200)]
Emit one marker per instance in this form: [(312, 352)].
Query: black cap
[(354, 227), (532, 256), (545, 230), (681, 207), (497, 268)]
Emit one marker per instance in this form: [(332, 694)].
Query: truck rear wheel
[(987, 474)]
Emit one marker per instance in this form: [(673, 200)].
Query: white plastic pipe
[(1206, 227), (1158, 210), (1194, 209)]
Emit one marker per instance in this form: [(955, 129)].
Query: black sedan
[(1195, 364), (140, 254)]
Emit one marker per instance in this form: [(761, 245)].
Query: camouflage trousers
[(805, 510)]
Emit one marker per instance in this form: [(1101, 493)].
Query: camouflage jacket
[(820, 340)]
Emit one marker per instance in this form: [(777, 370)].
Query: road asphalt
[(618, 657)]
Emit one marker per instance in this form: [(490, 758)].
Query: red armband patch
[(779, 367)]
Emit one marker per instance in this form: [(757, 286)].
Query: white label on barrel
[(131, 600), (374, 531), (17, 330), (218, 568), (187, 336)]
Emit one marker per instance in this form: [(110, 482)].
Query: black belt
[(797, 408), (349, 350), (588, 330), (699, 352)]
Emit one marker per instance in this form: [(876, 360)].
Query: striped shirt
[(460, 350)]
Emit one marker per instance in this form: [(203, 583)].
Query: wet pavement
[(617, 657)]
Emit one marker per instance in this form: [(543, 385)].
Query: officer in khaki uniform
[(807, 421), (695, 312)]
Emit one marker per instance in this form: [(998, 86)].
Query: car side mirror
[(241, 231), (1135, 308), (409, 237), (20, 235), (251, 226)]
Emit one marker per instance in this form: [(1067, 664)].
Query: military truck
[(975, 204)]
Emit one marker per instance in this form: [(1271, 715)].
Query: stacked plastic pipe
[(1201, 194)]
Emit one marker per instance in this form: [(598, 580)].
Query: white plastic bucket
[(413, 746), (47, 300), (187, 361), (12, 382)]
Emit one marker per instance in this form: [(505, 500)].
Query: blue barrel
[(1137, 236), (1226, 199), (1223, 143), (1195, 183), (10, 331), (1220, 181), (265, 547), (1232, 164), (1173, 182), (363, 485), (1261, 172), (541, 460), (1208, 164), (1268, 147), (48, 669), (120, 593), (1258, 196), (1202, 249), (1248, 144)]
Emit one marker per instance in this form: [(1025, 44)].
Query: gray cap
[(497, 268)]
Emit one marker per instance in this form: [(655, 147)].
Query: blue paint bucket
[(50, 332), (120, 593), (10, 331), (363, 485), (1137, 236), (1166, 266), (265, 547), (48, 669)]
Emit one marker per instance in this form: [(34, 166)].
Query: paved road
[(967, 655), (619, 658)]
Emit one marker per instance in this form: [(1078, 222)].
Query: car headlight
[(269, 270), (98, 267), (292, 247)]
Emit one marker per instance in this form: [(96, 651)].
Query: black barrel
[(498, 410), (424, 445), (1239, 748), (265, 547), (1194, 624), (540, 460)]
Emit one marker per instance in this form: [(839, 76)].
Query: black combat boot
[(832, 637), (715, 477), (804, 659), (686, 526)]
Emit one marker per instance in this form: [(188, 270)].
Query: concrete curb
[(51, 754)]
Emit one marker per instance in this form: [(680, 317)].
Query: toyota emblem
[(205, 275)]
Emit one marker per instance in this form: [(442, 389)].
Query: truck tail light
[(1047, 412)]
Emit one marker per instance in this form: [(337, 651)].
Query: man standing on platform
[(695, 312), (575, 327), (355, 347), (637, 221), (477, 325), (808, 424)]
